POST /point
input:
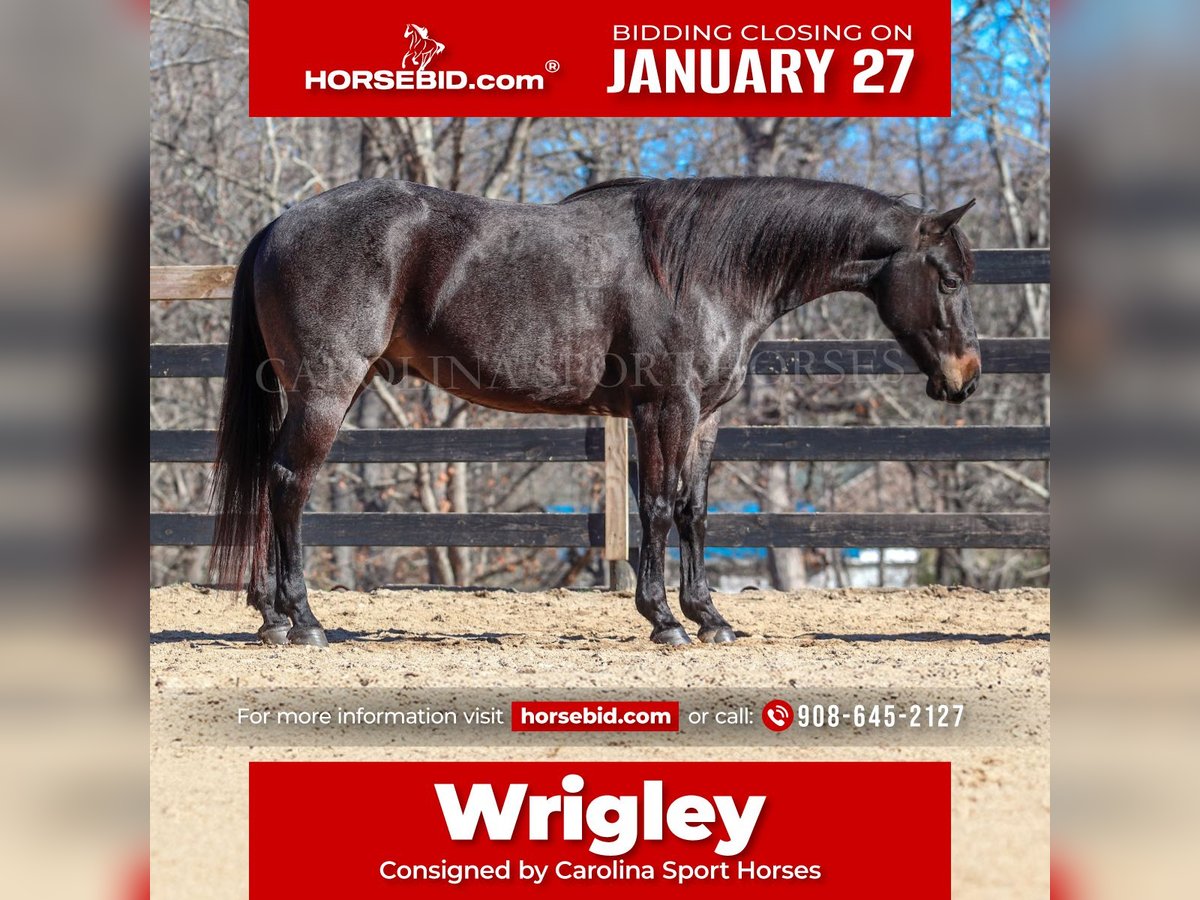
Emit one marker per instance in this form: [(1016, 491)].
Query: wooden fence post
[(616, 503)]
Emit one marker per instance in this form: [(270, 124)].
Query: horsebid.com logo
[(413, 74)]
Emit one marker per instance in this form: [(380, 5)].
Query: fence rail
[(611, 445), (1000, 356), (1028, 530), (766, 443), (216, 282)]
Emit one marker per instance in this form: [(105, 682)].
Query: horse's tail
[(251, 413)]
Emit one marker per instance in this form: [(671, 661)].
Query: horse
[(421, 48), (637, 298)]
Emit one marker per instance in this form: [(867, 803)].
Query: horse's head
[(921, 293)]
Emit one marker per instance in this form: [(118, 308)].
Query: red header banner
[(585, 829), (621, 58)]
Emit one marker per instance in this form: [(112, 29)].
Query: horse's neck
[(852, 277), (855, 275)]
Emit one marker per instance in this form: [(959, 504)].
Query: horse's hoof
[(274, 634), (672, 637), (308, 635), (722, 634)]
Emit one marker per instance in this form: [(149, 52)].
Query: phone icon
[(777, 715)]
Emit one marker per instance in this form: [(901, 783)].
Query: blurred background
[(1126, 518), (73, 618), (218, 176)]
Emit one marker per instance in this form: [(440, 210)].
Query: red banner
[(363, 830), (621, 58)]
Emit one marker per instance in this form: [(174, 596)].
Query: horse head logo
[(421, 47)]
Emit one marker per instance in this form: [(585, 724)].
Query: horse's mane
[(751, 236), (423, 32), (605, 186)]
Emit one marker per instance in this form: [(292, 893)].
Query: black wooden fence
[(826, 357)]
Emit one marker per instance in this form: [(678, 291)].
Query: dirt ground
[(963, 643)]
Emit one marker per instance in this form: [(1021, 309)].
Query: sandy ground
[(985, 648)]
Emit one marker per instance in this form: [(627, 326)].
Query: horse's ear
[(943, 222)]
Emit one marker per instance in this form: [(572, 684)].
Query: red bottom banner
[(475, 829)]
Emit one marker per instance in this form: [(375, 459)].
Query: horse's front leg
[(691, 519), (663, 431)]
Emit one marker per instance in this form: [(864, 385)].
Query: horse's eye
[(950, 284)]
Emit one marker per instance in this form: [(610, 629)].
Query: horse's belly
[(561, 381)]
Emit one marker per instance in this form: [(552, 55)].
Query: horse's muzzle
[(958, 379)]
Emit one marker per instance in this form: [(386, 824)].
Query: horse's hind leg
[(264, 596), (313, 418), (691, 520)]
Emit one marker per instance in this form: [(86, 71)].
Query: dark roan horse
[(637, 298)]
